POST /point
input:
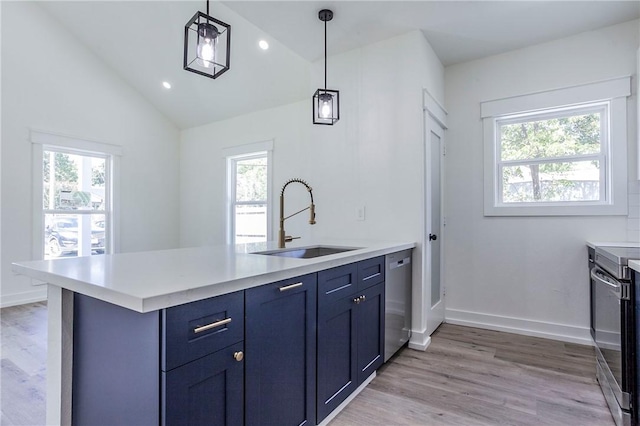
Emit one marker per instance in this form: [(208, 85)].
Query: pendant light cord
[(208, 8), (325, 55)]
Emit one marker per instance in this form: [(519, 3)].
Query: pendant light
[(207, 44), (326, 102)]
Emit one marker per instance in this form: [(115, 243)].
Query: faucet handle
[(312, 217), (289, 238)]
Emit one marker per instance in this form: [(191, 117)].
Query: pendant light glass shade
[(207, 44), (326, 106), (326, 102)]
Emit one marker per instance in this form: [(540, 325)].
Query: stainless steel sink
[(307, 252)]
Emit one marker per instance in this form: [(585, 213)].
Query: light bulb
[(326, 105), (206, 51), (325, 109), (207, 42)]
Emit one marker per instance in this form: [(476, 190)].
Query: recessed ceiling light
[(263, 44), (166, 85)]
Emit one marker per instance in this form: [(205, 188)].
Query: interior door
[(434, 151)]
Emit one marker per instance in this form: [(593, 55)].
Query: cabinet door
[(207, 391), (370, 331), (337, 370), (280, 339)]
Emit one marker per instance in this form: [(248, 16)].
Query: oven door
[(612, 330)]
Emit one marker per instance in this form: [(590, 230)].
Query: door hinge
[(444, 150)]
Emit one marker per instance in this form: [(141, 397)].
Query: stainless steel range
[(613, 328)]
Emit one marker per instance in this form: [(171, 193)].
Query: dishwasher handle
[(400, 263), (620, 289)]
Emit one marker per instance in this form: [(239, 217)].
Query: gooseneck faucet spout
[(282, 237)]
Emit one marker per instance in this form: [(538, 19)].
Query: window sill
[(620, 209)]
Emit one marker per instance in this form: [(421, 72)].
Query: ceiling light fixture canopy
[(326, 102), (207, 45)]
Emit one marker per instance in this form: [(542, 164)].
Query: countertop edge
[(199, 292), (635, 265), (593, 244)]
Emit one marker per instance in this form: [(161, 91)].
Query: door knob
[(433, 237)]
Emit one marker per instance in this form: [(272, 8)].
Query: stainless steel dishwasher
[(397, 329)]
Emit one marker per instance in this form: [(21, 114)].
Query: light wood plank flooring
[(470, 376), (467, 376), (23, 364)]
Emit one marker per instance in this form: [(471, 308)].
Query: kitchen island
[(149, 284)]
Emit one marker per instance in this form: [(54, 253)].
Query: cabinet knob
[(363, 298), (238, 356), (356, 300)]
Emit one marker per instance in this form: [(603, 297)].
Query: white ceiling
[(141, 41)]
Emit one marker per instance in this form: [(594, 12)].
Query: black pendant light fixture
[(207, 44), (326, 102)]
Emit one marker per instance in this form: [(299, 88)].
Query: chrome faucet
[(282, 238)]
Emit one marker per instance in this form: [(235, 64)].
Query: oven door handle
[(602, 278)]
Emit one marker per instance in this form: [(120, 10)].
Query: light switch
[(360, 215)]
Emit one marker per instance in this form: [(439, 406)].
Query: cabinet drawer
[(196, 329), (370, 272), (336, 283)]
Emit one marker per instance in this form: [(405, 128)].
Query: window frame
[(232, 156), (609, 94), (45, 141)]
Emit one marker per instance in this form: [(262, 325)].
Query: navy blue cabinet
[(280, 363), (207, 391), (370, 331), (286, 353), (350, 330), (202, 368)]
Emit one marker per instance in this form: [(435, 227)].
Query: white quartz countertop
[(152, 280), (635, 265)]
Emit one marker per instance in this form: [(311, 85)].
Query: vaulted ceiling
[(142, 41)]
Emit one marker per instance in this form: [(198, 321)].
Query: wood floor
[(467, 376), (470, 376), (23, 364)]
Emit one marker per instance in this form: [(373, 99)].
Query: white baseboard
[(38, 295), (419, 341), (547, 330)]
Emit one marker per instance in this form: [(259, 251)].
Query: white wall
[(53, 83), (524, 273), (373, 156), (203, 167)]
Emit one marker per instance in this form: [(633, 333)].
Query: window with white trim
[(73, 196), (248, 193), (561, 152), (75, 202)]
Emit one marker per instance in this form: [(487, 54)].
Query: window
[(75, 203), (74, 206), (564, 156), (248, 193)]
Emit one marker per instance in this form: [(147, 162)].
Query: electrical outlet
[(360, 214)]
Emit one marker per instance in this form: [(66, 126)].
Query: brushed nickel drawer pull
[(377, 274), (238, 356), (290, 287), (212, 325)]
